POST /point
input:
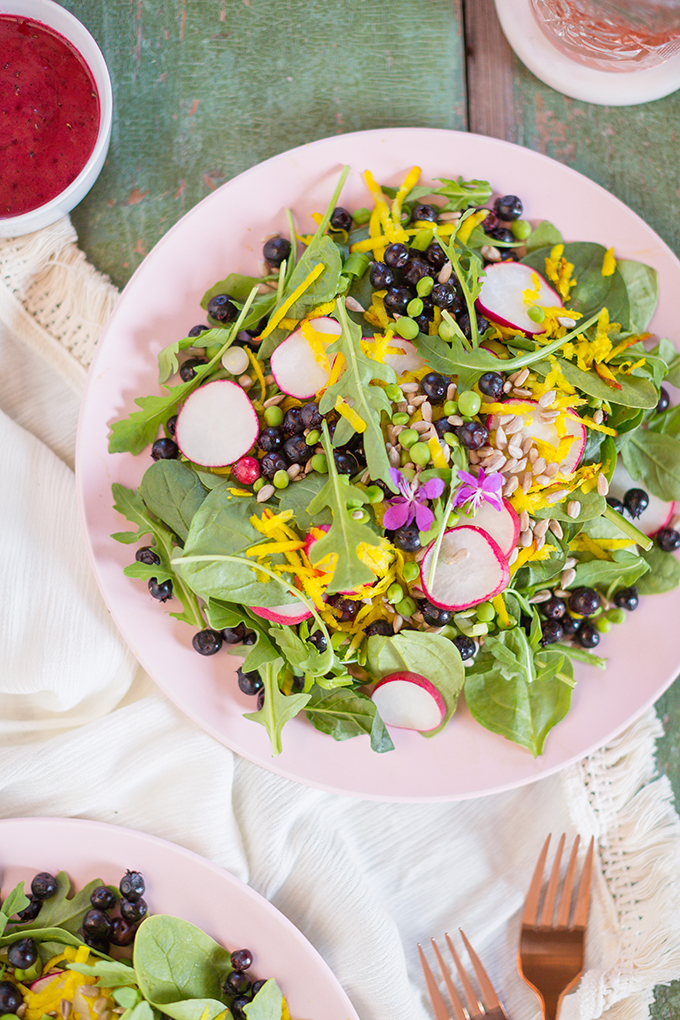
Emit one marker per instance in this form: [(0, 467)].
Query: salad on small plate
[(410, 456)]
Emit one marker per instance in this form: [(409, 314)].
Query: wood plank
[(491, 70)]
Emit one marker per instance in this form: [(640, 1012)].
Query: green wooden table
[(204, 89)]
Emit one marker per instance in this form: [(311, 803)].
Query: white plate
[(224, 233), (181, 883)]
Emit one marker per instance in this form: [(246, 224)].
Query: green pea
[(360, 515), (375, 494), (603, 624), (408, 438), (411, 571), (259, 483), (408, 471), (407, 328), (395, 593), (361, 216), (424, 286), (319, 463), (313, 437), (451, 439), (405, 458), (450, 407), (469, 403), (536, 313), (616, 615), (406, 607), (521, 229), (400, 418), (445, 331), (453, 520), (394, 393), (281, 480), (354, 504), (485, 612), (415, 307), (420, 454), (449, 631), (273, 415)]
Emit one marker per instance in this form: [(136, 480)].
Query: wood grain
[(491, 70)]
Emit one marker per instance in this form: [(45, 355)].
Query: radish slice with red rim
[(217, 424), (471, 568)]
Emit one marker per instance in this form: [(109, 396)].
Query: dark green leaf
[(593, 291), (663, 575), (461, 194), (344, 713), (174, 961), (298, 497), (173, 493), (278, 708), (654, 459), (543, 235), (643, 292), (626, 566), (635, 391)]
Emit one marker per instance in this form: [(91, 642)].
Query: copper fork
[(552, 951), (487, 1007)]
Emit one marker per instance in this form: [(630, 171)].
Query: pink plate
[(224, 233), (181, 883)]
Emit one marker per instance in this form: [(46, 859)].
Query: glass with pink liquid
[(612, 35)]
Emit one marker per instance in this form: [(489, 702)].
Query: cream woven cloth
[(85, 733)]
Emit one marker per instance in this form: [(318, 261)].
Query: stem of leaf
[(440, 537), (628, 529), (522, 360)]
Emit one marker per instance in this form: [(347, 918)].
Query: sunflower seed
[(518, 391), (445, 272), (510, 486), (353, 305), (602, 485), (567, 577), (409, 387), (540, 527), (501, 438), (420, 399), (557, 497), (507, 386), (523, 520), (273, 401), (539, 465), (526, 538), (451, 391), (490, 253), (294, 470), (569, 563), (455, 419), (99, 1005), (514, 450), (540, 596), (513, 556), (426, 411), (265, 493), (527, 481), (245, 381), (542, 480), (598, 416), (547, 399), (420, 426), (573, 508), (556, 528)]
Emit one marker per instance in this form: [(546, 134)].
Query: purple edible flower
[(474, 491), (408, 505)]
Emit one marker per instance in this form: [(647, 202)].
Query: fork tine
[(473, 1001), (488, 991), (583, 896), (456, 1001), (553, 883), (530, 914), (568, 886), (438, 1004)]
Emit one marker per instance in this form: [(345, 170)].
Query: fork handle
[(551, 1006)]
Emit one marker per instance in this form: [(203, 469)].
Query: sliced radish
[(409, 701), (502, 525), (658, 514), (471, 568), (502, 296), (289, 614), (41, 983), (409, 361), (546, 432), (297, 368), (217, 424)]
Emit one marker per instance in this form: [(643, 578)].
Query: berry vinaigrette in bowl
[(49, 114)]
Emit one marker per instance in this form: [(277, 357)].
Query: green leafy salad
[(428, 451), (54, 954)]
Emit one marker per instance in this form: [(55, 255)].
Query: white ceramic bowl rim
[(67, 25)]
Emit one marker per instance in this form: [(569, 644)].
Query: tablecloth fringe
[(53, 298), (616, 795)]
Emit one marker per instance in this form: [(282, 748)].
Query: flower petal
[(399, 512), (432, 489), (424, 517)]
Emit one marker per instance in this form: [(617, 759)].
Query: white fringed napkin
[(364, 881)]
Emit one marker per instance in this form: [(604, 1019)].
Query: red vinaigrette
[(49, 114)]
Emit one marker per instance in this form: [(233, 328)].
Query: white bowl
[(63, 22)]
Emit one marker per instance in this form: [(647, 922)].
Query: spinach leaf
[(544, 234), (267, 1004), (278, 708), (430, 655), (654, 459), (344, 714), (635, 391), (173, 494), (642, 285), (298, 497), (666, 350), (625, 568), (667, 423), (175, 961), (663, 575), (593, 291), (591, 505)]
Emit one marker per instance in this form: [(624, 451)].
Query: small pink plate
[(224, 234), (180, 883)]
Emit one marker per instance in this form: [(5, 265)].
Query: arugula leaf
[(455, 359), (278, 708), (60, 915), (430, 655), (14, 901), (302, 657), (368, 401), (110, 973), (173, 493), (653, 458), (344, 714), (461, 194), (168, 362)]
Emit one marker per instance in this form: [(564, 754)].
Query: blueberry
[(344, 609), (133, 911), (464, 323), (443, 296), (23, 953), (275, 251), (341, 219), (260, 699), (237, 983), (132, 886), (615, 504), (234, 635), (222, 308), (249, 682), (627, 598), (122, 932), (491, 384), (171, 424), (271, 439), (436, 255), (508, 208), (473, 435), (668, 539), (102, 898), (250, 638), (551, 631), (162, 592), (588, 636), (554, 608), (415, 269), (188, 368), (465, 645), (241, 959), (257, 985), (164, 449), (345, 462), (570, 624), (238, 1006), (434, 386), (508, 255), (381, 276), (318, 639), (292, 422), (584, 601), (396, 256), (425, 212), (442, 426), (207, 642), (145, 554), (397, 299), (383, 628), (271, 463), (30, 912), (10, 997), (310, 416), (664, 400), (635, 502), (407, 538), (434, 616), (97, 924), (43, 885), (296, 450), (197, 330), (501, 234)]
